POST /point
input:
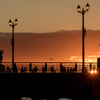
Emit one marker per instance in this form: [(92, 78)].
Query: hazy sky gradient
[(61, 46), (48, 15)]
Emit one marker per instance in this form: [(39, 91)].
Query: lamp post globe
[(78, 8), (87, 6)]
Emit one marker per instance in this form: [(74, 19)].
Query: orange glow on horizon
[(62, 46)]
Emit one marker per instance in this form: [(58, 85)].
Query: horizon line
[(62, 30)]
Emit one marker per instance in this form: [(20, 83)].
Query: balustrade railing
[(47, 67)]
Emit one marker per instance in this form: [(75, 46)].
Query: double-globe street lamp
[(13, 24), (83, 30)]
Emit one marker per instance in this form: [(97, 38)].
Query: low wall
[(78, 86)]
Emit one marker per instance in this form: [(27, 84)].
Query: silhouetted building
[(98, 64)]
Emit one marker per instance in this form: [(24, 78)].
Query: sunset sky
[(48, 15), (62, 46)]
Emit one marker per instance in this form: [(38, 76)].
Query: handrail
[(48, 67)]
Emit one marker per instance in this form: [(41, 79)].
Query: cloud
[(91, 58)]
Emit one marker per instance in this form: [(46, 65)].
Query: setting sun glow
[(93, 71)]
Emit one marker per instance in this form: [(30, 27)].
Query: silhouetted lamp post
[(83, 30), (13, 24)]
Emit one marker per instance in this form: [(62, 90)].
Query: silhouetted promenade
[(80, 86), (49, 80)]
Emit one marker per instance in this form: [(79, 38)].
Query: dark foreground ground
[(51, 86)]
